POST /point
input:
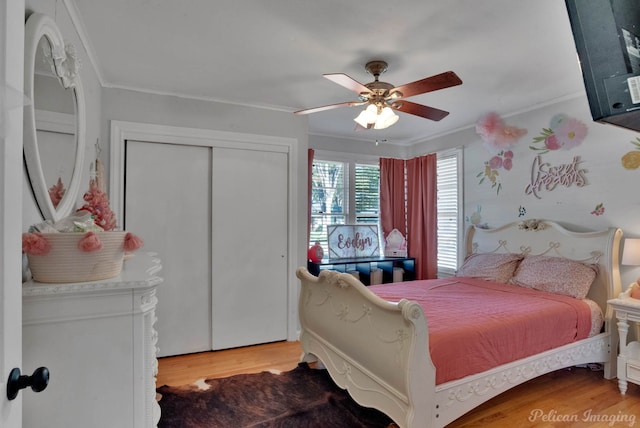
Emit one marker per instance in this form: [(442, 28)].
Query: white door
[(168, 204), (249, 247), (12, 23)]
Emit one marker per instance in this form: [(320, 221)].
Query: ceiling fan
[(381, 98)]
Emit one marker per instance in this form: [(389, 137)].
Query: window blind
[(367, 193), (449, 195)]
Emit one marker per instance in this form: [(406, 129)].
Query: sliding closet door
[(168, 204), (249, 246)]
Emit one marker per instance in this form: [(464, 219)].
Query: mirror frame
[(65, 66)]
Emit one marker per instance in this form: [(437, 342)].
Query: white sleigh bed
[(378, 350)]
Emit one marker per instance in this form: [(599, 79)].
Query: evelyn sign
[(352, 241)]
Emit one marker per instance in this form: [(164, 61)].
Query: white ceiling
[(512, 55)]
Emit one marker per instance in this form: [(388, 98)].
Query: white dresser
[(99, 343)]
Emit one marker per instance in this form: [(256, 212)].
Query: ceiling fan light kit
[(377, 117), (367, 116), (383, 98), (386, 118)]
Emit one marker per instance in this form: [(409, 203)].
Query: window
[(342, 192), (449, 212), (346, 192)]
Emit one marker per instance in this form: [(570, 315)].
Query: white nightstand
[(627, 309)]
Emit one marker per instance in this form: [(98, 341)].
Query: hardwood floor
[(184, 369), (576, 397)]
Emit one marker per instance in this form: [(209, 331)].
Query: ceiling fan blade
[(419, 110), (347, 82), (329, 107), (428, 84)]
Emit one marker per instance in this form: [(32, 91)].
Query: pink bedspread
[(475, 325)]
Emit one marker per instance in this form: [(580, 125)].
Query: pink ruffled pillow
[(490, 266), (555, 275)]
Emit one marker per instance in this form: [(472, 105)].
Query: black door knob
[(38, 381)]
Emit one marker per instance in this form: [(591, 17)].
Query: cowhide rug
[(302, 397)]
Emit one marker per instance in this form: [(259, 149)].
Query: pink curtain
[(392, 197), (310, 154), (422, 216)]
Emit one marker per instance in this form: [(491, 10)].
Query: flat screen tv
[(607, 38)]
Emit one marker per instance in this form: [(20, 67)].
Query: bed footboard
[(376, 350)]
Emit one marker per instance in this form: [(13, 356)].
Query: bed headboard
[(545, 237)]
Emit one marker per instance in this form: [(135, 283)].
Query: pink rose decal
[(495, 162), (551, 142)]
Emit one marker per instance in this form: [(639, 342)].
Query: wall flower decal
[(631, 160), (563, 133), (503, 160), (598, 210), (498, 137)]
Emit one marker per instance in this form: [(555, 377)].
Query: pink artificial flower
[(132, 242), (571, 133), (97, 203), (89, 243), (510, 134), (35, 244), (496, 134), (56, 192), (489, 125), (508, 154)]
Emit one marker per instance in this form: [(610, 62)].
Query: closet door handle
[(38, 381)]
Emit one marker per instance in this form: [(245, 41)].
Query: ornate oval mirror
[(54, 122)]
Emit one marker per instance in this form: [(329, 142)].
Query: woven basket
[(66, 263)]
